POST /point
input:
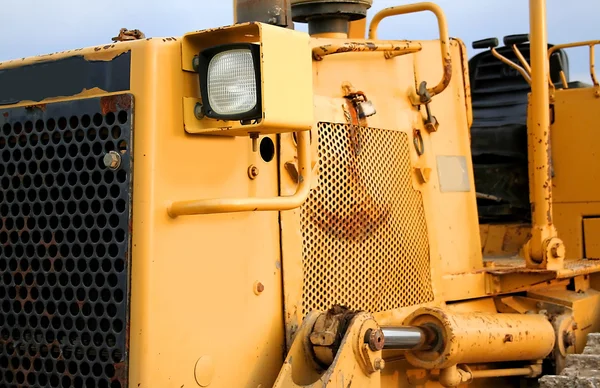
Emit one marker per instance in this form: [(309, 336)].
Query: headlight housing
[(230, 82)]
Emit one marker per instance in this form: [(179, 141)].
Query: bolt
[(253, 172), (375, 339), (112, 160), (258, 288), (254, 137), (557, 250), (568, 339), (379, 364), (199, 111), (196, 63)]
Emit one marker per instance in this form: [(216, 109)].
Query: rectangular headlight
[(230, 82)]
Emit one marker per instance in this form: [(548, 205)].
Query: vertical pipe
[(276, 12), (540, 184)]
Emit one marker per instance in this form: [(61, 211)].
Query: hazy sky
[(31, 27)]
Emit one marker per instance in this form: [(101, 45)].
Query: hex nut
[(379, 364), (112, 160)]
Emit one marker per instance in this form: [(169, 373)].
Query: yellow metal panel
[(503, 240), (456, 217), (569, 223), (452, 232), (591, 233), (575, 147), (192, 272)]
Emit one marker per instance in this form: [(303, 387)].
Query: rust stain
[(41, 107), (121, 374), (115, 103)]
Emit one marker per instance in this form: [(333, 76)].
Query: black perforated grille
[(64, 244)]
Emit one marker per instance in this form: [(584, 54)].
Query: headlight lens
[(232, 82)]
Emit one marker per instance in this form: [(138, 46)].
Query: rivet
[(196, 63), (112, 160)]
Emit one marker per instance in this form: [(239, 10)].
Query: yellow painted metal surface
[(481, 337), (543, 232), (197, 311), (203, 266), (451, 217), (503, 240), (591, 231), (575, 187)]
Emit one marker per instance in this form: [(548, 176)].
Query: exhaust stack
[(329, 18), (275, 12)]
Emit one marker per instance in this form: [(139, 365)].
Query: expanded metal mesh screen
[(64, 244), (365, 242)]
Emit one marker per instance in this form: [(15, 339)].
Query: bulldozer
[(256, 206)]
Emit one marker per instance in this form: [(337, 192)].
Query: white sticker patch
[(453, 174)]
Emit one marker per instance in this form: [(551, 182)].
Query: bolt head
[(253, 172), (558, 251), (199, 111), (379, 364), (112, 160), (196, 63), (258, 288)]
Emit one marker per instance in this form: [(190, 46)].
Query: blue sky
[(32, 27)]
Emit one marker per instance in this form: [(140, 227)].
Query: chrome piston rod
[(408, 338)]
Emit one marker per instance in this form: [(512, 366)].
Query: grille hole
[(63, 234)]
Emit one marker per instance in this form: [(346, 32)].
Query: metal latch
[(364, 106), (431, 123)]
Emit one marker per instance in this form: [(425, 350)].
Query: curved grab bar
[(233, 205), (591, 44), (444, 37)]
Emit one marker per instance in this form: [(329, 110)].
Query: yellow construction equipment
[(255, 206)]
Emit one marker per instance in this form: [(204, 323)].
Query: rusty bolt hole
[(258, 288)]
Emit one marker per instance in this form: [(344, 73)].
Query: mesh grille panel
[(64, 244), (365, 241)]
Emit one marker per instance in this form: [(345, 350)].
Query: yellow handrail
[(591, 44), (444, 37), (233, 205)]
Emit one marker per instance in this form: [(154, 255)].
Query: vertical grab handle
[(443, 31)]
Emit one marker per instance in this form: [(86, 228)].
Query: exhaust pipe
[(275, 12), (329, 18)]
